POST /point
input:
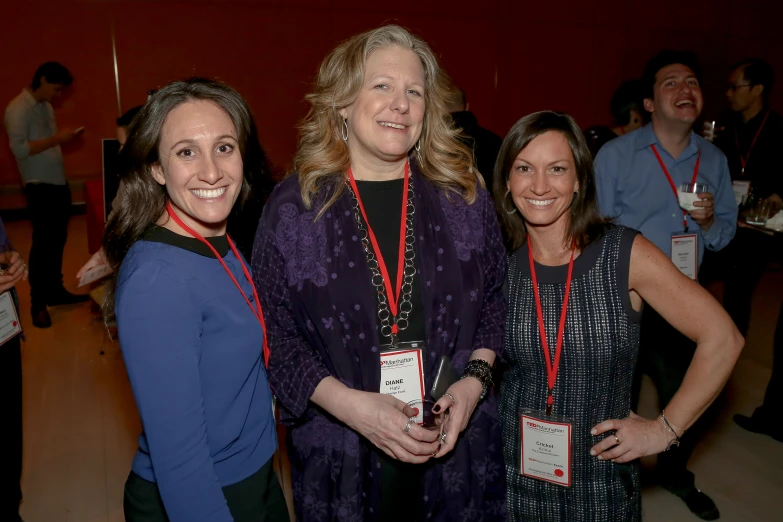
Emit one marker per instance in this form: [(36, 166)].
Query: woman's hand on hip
[(381, 419), (637, 436), (466, 394)]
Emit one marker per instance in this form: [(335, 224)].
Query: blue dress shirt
[(27, 120), (633, 189)]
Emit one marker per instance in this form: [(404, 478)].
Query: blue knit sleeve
[(159, 323)]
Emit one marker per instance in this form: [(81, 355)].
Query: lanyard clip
[(549, 401)]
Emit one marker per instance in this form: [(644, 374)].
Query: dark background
[(511, 57)]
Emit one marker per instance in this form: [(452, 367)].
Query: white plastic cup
[(688, 194)]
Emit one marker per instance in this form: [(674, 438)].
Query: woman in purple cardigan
[(384, 248)]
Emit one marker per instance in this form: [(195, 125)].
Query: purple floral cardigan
[(320, 311)]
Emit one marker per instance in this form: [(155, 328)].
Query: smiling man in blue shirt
[(632, 177)]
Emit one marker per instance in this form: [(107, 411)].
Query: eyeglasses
[(731, 87)]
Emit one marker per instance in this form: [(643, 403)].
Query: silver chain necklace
[(405, 306)]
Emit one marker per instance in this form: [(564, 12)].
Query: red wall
[(512, 57)]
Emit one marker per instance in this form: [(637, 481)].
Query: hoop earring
[(504, 204), (345, 130), (418, 151)]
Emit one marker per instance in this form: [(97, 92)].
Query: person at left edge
[(378, 119), (11, 389), (189, 320)]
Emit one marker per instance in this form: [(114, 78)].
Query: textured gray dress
[(600, 350)]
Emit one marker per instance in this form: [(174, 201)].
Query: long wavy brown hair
[(323, 158), (143, 200)]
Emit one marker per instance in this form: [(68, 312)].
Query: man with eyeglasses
[(751, 141), (752, 137)]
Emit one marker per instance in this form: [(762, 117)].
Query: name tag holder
[(9, 319), (544, 451), (685, 253), (402, 370)]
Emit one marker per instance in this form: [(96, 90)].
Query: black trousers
[(258, 498), (49, 207), (11, 392), (400, 489), (664, 355), (740, 266), (770, 411)]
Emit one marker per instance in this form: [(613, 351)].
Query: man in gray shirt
[(35, 142)]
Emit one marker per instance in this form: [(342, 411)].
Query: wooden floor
[(81, 423)]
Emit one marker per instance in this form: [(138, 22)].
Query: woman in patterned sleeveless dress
[(575, 287)]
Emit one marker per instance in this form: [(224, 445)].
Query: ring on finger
[(453, 400), (443, 438), (616, 440), (407, 427)]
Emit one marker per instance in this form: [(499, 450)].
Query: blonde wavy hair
[(323, 158)]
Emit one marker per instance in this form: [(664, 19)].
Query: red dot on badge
[(14, 323), (559, 472)]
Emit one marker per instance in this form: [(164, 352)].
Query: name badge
[(741, 190), (685, 253), (9, 320), (402, 371), (545, 447)]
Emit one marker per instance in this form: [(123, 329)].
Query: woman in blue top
[(190, 324)]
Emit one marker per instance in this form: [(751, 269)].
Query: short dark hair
[(54, 72), (629, 96), (665, 58), (585, 221), (756, 71), (127, 118)]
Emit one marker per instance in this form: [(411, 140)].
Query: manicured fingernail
[(415, 412), (599, 457), (592, 452), (436, 409), (593, 432)]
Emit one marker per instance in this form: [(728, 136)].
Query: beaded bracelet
[(480, 370)]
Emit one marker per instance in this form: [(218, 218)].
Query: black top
[(762, 167), (382, 201), (158, 234)]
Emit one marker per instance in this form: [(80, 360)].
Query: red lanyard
[(551, 367), (744, 159), (671, 181), (391, 296), (257, 310)]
